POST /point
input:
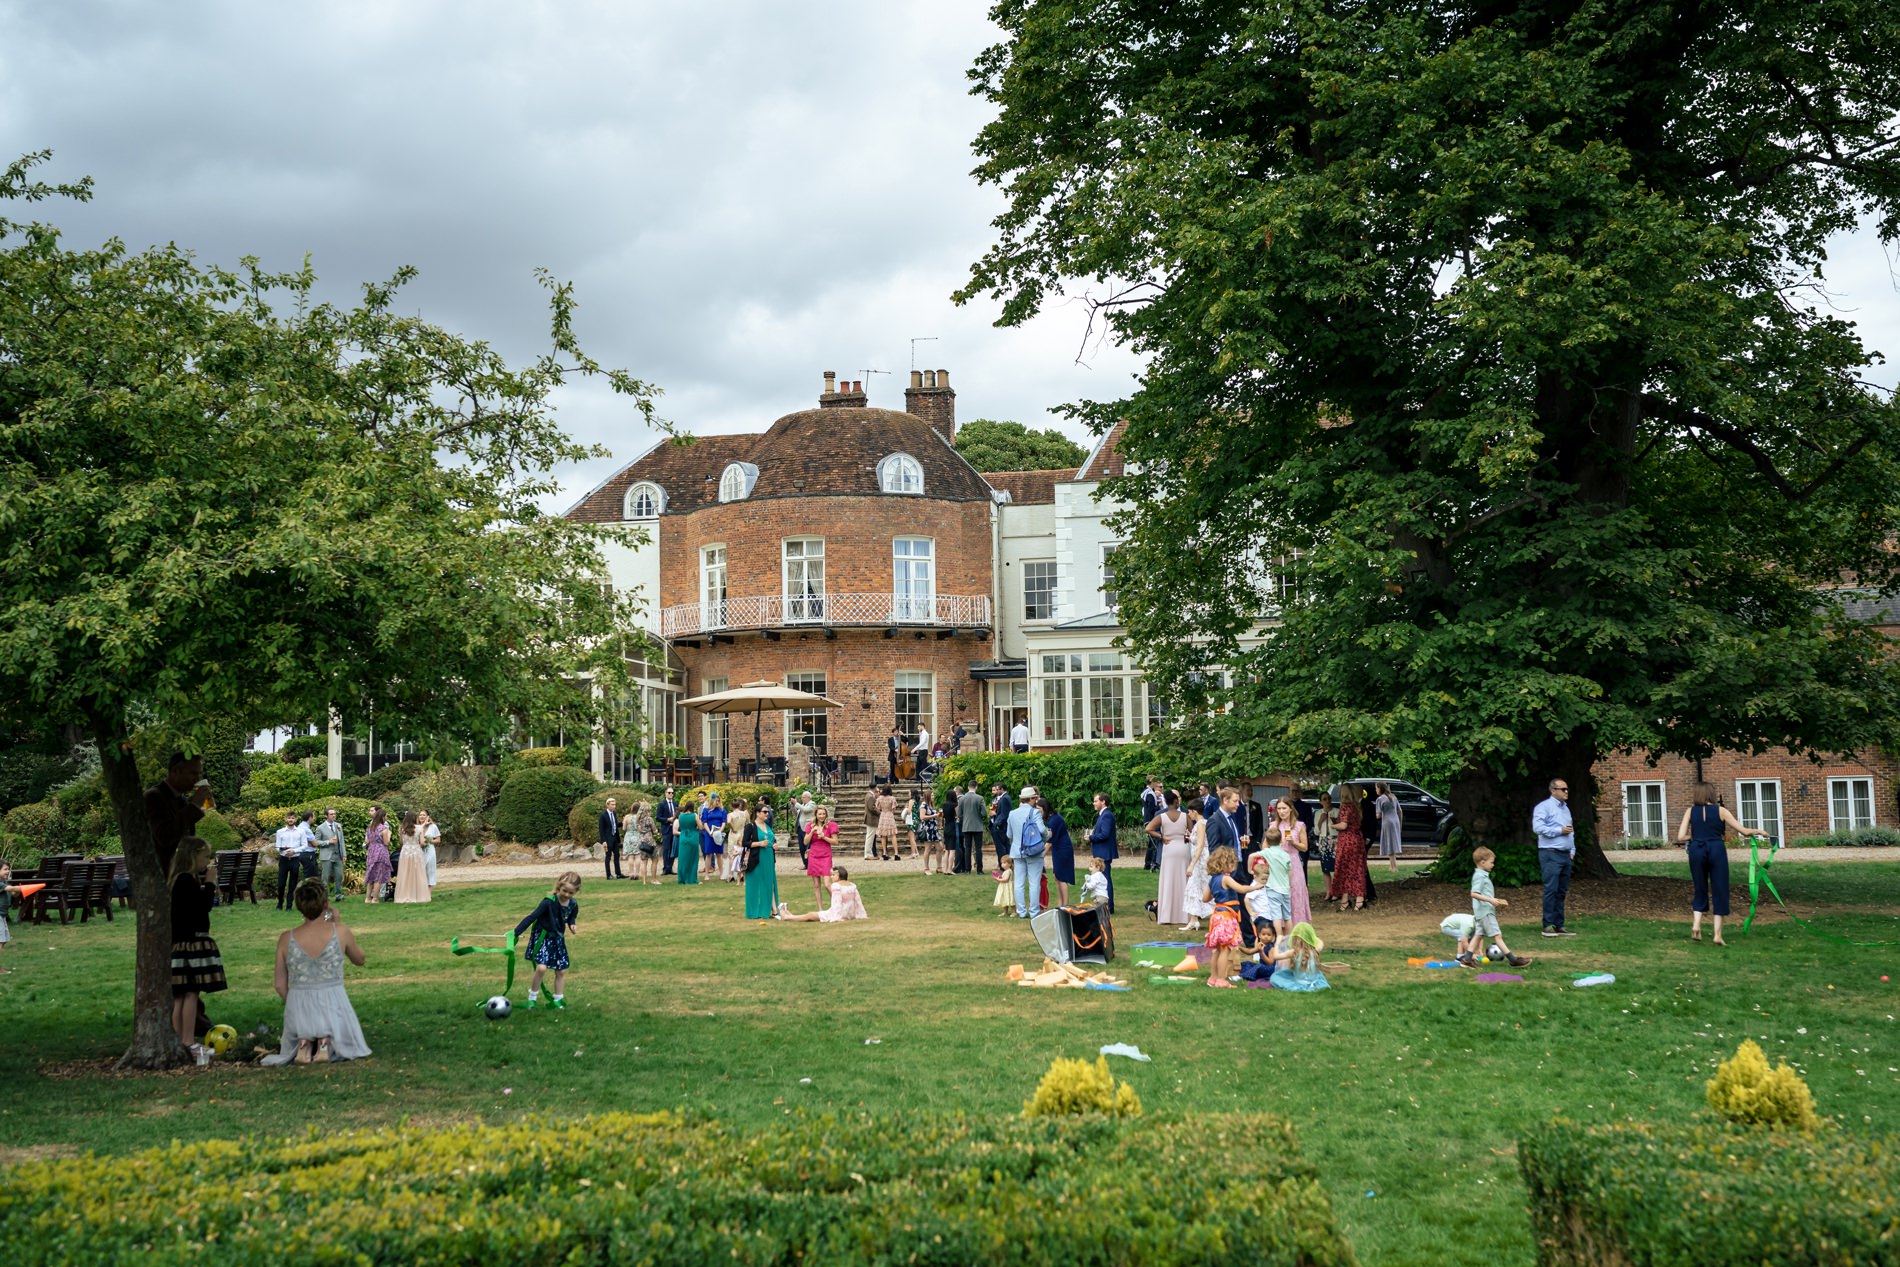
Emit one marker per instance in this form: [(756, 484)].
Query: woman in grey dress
[(1391, 826)]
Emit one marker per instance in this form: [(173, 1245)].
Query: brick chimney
[(930, 398), (845, 395)]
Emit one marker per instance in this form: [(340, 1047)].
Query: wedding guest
[(818, 846), (197, 967), (319, 1023), (412, 881), (1170, 828), (376, 854)]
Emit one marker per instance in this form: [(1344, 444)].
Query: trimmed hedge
[(1646, 1195), (27, 776), (298, 747), (535, 801), (219, 834), (1864, 838), (379, 783), (664, 1188), (583, 821), (278, 784), (1068, 778)]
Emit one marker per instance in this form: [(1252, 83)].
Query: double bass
[(906, 762)]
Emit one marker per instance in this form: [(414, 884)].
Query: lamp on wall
[(866, 697)]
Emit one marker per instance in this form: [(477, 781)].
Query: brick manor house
[(849, 550)]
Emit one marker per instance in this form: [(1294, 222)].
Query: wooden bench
[(67, 891), (97, 895)]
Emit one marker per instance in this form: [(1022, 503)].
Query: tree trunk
[(154, 1044), (1497, 811)]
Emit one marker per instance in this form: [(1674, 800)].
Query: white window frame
[(1049, 594), (1848, 781), (736, 481), (650, 489), (906, 603), (1748, 811), (805, 601), (902, 474), (928, 716), (1662, 808), (712, 610), (716, 728), (817, 682)]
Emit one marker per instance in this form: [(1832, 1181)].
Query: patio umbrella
[(757, 698)]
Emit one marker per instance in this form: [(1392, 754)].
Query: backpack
[(1032, 835)]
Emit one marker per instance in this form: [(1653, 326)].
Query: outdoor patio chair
[(244, 883), (97, 895), (68, 892), (225, 867)]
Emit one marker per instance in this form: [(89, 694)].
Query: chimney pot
[(930, 378), (831, 381), (943, 378), (916, 379)]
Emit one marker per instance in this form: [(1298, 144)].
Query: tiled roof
[(803, 454), (1029, 488), (1105, 460), (1872, 607)]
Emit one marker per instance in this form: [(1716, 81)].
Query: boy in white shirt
[(1484, 914)]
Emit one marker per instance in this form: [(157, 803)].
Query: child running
[(1484, 914), (552, 921)]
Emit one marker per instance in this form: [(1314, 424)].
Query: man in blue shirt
[(1102, 843), (1556, 854)]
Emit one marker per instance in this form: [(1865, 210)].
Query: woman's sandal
[(322, 1056), (304, 1048)]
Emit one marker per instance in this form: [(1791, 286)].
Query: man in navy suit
[(669, 815), (610, 841), (1153, 801), (1000, 808), (1102, 843), (1228, 826)]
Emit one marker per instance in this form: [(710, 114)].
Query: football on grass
[(497, 1008)]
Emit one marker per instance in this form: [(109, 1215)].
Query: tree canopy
[(1481, 354), (1010, 446), (223, 502)]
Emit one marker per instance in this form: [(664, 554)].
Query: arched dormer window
[(737, 481), (900, 473), (644, 501)]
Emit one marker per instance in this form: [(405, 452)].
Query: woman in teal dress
[(761, 866), (689, 843)]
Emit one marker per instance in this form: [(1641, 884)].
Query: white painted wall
[(1081, 530), (638, 568), (1024, 532)]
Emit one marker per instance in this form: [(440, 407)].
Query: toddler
[(1095, 885), (1005, 877)]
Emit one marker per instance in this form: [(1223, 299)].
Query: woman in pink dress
[(1349, 859), (820, 837), (376, 851), (845, 903), (1293, 840)]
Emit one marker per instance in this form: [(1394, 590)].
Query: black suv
[(1427, 819)]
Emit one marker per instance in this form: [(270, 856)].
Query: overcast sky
[(744, 193)]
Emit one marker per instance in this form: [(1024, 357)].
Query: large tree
[(1490, 329), (1010, 446), (223, 502)]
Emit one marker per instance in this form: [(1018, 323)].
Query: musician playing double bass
[(896, 753)]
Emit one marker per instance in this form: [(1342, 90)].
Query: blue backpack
[(1032, 835)]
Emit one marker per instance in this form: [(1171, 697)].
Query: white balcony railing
[(775, 611)]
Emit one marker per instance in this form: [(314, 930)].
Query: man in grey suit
[(972, 823)]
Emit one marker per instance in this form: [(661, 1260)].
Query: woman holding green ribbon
[(689, 843), (761, 865), (1705, 825)]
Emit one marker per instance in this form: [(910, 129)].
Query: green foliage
[(456, 797), (1068, 778), (1749, 1093), (1516, 864), (660, 1188), (224, 767), (26, 775), (39, 826), (583, 821), (1708, 1196), (1470, 324), (351, 812), (1642, 842), (255, 761), (380, 783), (1010, 446), (728, 792), (1860, 838), (297, 747), (535, 801), (215, 831), (1074, 1088), (277, 784)]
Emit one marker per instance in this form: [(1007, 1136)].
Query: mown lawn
[(1408, 1085)]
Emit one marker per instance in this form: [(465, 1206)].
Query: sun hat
[(1029, 794)]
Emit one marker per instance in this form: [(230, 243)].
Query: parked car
[(1426, 819)]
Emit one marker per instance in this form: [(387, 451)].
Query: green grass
[(1406, 1084)]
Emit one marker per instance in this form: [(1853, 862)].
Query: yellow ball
[(219, 1038)]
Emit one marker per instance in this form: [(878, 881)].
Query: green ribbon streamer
[(456, 948), (1758, 876)]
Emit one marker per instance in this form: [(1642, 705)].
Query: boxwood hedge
[(661, 1188), (1646, 1195), (535, 801)]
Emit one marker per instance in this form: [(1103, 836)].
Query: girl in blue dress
[(552, 921)]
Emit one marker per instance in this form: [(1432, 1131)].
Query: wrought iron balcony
[(818, 611)]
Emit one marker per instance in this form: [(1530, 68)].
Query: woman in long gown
[(319, 1023), (1194, 901), (1391, 827), (761, 867), (689, 844), (376, 854), (737, 824), (412, 871), (1171, 828), (1349, 859)]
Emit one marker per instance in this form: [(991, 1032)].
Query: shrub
[(727, 791), (1641, 842), (583, 821), (1711, 1195), (218, 833), (663, 1188), (1068, 778), (278, 784), (1864, 838), (1746, 1091), (1073, 1087), (224, 767), (301, 746), (535, 801), (27, 776), (1516, 865), (39, 825), (455, 797), (380, 783), (252, 762), (351, 812)]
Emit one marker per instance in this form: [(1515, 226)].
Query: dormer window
[(644, 501), (736, 484), (900, 473)]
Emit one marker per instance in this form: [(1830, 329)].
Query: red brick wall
[(857, 532), (1804, 797), (857, 661)]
